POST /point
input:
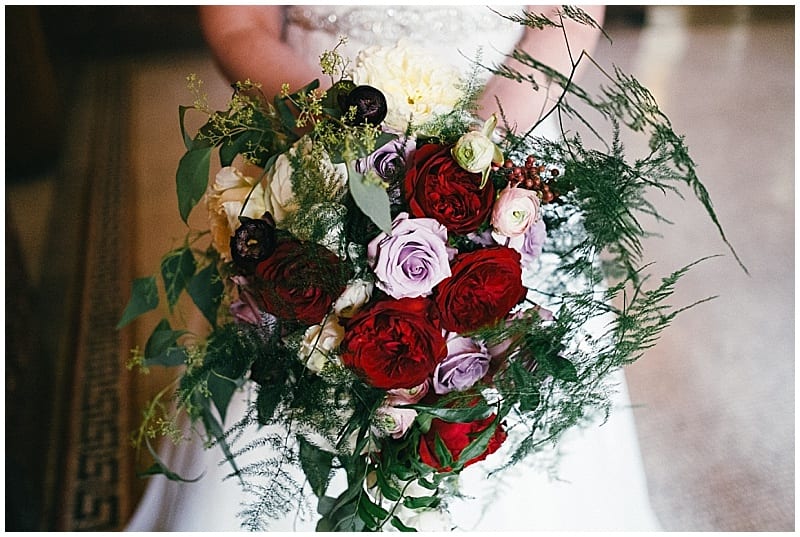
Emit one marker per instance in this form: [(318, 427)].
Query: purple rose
[(467, 362), (388, 161), (411, 261)]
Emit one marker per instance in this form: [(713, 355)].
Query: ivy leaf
[(192, 178), (144, 297), (206, 289), (177, 268), (316, 465), (162, 349), (370, 195)]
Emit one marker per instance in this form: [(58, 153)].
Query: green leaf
[(316, 465), (222, 389), (525, 389), (266, 403), (214, 430), (559, 367), (235, 146), (192, 178), (442, 452), (371, 513), (162, 349), (459, 415), (478, 446), (206, 289), (160, 468), (187, 140), (391, 492), (144, 297), (397, 523), (370, 196), (177, 268), (419, 502)]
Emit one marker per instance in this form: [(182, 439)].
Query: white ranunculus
[(356, 294), (318, 343), (415, 85), (224, 201)]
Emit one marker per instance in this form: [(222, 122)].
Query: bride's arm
[(521, 104), (247, 43)]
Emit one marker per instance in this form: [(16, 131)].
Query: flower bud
[(475, 152), (370, 105)]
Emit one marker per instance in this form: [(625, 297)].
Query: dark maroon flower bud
[(253, 242), (370, 105)]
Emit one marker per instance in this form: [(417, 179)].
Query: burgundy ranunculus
[(370, 105), (253, 242), (300, 281), (394, 343), (485, 285), (437, 187)]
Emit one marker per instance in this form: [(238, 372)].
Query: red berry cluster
[(533, 176)]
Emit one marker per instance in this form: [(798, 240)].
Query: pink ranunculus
[(467, 362), (515, 210), (393, 421), (413, 259)]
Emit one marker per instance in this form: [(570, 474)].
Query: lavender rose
[(389, 163), (530, 244), (411, 261), (466, 363)]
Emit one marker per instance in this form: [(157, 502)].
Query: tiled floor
[(715, 398)]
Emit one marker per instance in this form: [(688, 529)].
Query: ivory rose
[(319, 341), (280, 198), (224, 201)]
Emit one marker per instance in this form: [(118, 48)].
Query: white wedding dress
[(599, 484)]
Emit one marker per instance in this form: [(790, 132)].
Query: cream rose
[(319, 342), (415, 85), (225, 199), (515, 210)]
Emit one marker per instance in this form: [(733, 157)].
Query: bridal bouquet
[(402, 287)]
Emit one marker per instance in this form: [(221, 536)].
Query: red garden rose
[(437, 187), (484, 286), (300, 281), (394, 343), (457, 436)]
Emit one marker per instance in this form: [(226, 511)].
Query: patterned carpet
[(715, 399)]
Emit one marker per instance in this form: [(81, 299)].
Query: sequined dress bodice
[(456, 34)]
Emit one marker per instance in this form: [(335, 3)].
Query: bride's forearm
[(247, 43), (522, 105)]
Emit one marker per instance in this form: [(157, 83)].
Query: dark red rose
[(394, 343), (300, 281), (457, 436), (484, 286), (437, 187)]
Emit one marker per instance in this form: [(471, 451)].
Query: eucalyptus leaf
[(192, 178), (370, 196), (144, 298)]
